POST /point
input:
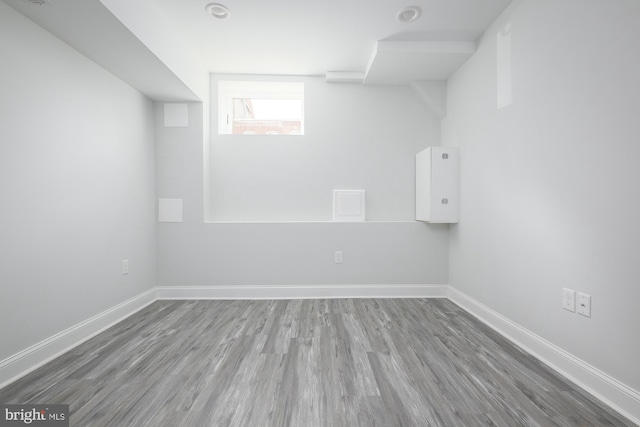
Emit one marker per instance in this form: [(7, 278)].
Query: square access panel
[(176, 116), (348, 205), (169, 210)]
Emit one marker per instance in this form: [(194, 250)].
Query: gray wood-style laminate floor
[(306, 363)]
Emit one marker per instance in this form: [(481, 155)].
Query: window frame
[(228, 90)]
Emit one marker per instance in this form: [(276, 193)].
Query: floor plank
[(343, 362)]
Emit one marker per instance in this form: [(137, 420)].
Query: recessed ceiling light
[(218, 10), (409, 14)]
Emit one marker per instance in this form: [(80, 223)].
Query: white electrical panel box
[(437, 178)]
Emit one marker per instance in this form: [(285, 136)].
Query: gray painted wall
[(549, 197), (197, 254), (549, 184), (356, 137), (194, 253), (76, 183)]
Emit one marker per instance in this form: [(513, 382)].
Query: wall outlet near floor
[(125, 266), (569, 300), (337, 257), (584, 304)]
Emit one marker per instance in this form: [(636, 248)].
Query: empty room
[(308, 214)]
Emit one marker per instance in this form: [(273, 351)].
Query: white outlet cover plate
[(569, 300)]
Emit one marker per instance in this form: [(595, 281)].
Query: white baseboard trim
[(302, 292), (617, 395), (30, 359)]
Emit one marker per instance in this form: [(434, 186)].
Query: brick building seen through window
[(266, 117)]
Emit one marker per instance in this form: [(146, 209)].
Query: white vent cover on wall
[(348, 205)]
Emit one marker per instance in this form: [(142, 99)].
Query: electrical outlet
[(569, 300), (337, 257), (125, 266), (584, 304)]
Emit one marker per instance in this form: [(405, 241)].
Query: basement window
[(260, 108)]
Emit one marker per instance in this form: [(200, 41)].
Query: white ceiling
[(311, 37), (160, 47), (93, 30)]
